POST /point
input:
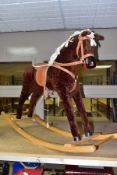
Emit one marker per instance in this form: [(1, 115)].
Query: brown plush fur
[(60, 82)]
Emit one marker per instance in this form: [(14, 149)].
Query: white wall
[(45, 42)]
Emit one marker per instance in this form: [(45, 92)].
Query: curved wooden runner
[(75, 147), (40, 142), (52, 128)]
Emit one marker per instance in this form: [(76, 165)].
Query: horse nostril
[(90, 62)]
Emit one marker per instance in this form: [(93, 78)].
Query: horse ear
[(99, 37)]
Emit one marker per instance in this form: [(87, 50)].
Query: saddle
[(41, 74)]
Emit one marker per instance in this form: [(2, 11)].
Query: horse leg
[(35, 96), (80, 106), (71, 118), (24, 95)]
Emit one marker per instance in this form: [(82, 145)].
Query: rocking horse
[(60, 75)]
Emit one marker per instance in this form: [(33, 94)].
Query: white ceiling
[(31, 15)]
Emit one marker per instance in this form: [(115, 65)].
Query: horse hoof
[(29, 115), (77, 138), (88, 133), (18, 117)]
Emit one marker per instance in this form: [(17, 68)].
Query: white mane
[(65, 44)]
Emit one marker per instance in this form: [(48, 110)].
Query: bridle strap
[(75, 63), (80, 46)]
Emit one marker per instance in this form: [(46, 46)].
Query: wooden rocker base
[(75, 147)]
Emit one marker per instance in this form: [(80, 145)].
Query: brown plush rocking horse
[(60, 76)]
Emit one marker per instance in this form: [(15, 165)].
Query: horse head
[(86, 50)]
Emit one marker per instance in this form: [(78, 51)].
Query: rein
[(61, 66)]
